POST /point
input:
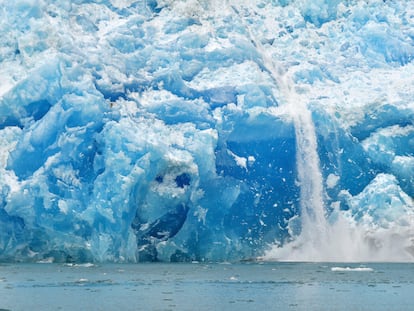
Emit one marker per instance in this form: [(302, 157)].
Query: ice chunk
[(382, 203)]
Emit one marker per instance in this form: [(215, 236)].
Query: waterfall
[(312, 242), (345, 240)]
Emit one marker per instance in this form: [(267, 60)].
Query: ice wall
[(173, 130)]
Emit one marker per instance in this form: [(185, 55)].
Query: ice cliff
[(206, 130)]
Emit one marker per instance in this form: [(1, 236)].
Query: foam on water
[(349, 269)]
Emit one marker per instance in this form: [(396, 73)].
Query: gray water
[(200, 286)]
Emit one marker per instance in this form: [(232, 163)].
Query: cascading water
[(341, 239), (314, 234)]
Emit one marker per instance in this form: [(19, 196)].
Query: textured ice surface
[(204, 130)]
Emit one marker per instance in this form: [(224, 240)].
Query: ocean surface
[(208, 286)]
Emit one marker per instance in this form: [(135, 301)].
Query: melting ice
[(206, 130)]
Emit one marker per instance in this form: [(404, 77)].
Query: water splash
[(314, 223), (342, 239), (314, 242)]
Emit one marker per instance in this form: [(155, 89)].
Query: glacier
[(206, 130)]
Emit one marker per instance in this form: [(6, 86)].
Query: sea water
[(208, 286)]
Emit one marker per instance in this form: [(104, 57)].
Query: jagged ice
[(206, 130)]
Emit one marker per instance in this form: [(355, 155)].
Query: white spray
[(319, 240), (314, 234)]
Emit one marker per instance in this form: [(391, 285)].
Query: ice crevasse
[(206, 130)]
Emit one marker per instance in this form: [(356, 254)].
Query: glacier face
[(206, 130)]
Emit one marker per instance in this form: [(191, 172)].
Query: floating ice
[(349, 269), (206, 130)]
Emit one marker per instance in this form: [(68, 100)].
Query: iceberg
[(193, 130)]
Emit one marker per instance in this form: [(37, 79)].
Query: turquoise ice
[(206, 130)]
